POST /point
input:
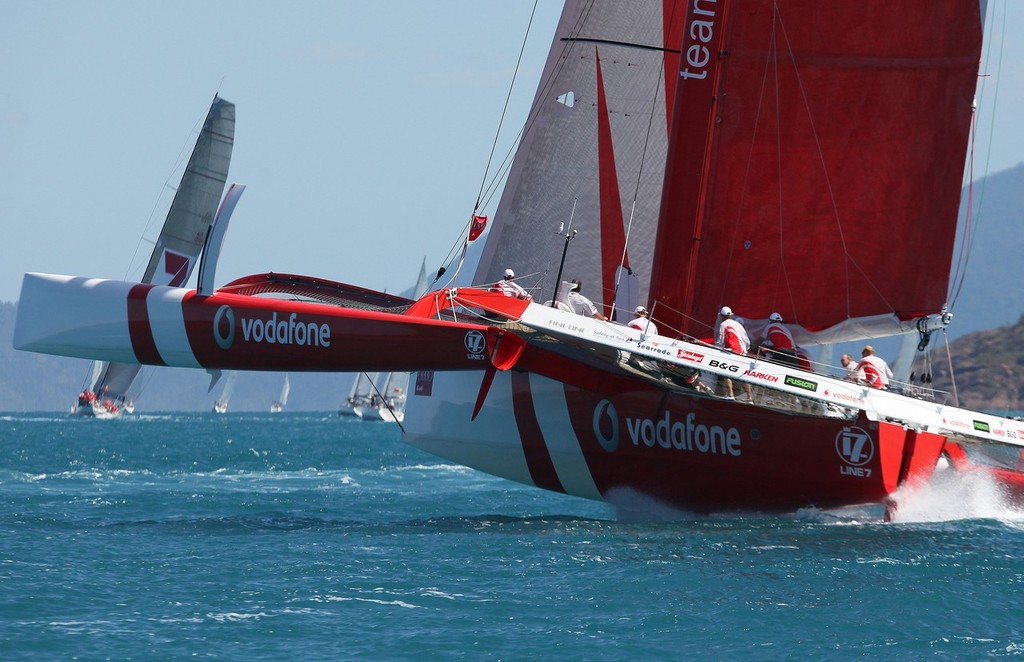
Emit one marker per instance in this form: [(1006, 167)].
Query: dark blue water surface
[(296, 536)]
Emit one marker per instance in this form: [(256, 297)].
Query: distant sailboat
[(282, 401), (359, 395), (220, 406), (176, 251), (392, 406)]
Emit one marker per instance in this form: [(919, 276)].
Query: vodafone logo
[(855, 446), (688, 434), (224, 327), (606, 425)]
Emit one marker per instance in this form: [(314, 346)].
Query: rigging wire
[(504, 109), (972, 217), (499, 175), (490, 157), (643, 160), (828, 179)]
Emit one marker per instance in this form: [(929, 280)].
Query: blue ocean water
[(296, 536)]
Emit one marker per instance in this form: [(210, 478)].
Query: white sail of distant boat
[(282, 400), (389, 405), (359, 395), (220, 406), (421, 281), (176, 251)]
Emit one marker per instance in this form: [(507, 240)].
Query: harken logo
[(606, 425), (855, 446), (224, 327), (475, 342)]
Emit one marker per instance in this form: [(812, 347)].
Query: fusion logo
[(690, 435), (225, 317), (606, 418), (855, 446), (800, 382), (475, 343)]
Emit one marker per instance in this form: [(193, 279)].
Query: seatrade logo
[(685, 434), (292, 330)]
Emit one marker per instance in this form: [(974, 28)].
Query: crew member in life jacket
[(510, 288), (873, 370), (732, 336), (642, 323), (580, 304), (778, 342)]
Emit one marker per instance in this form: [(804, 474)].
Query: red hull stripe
[(138, 326), (538, 460)]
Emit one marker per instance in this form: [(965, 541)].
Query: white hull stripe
[(563, 446)]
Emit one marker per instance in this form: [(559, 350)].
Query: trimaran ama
[(177, 249), (792, 156)]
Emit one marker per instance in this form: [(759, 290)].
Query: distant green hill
[(988, 369)]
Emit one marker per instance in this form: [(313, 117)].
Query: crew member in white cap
[(580, 304), (642, 322), (732, 336), (779, 340), (510, 288)]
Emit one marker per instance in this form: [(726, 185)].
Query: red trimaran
[(791, 155)]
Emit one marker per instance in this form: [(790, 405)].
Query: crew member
[(779, 340), (580, 304), (872, 369), (641, 321), (732, 336), (510, 288)]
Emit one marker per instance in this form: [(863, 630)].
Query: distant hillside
[(992, 294), (988, 369)]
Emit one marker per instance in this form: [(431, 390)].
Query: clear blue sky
[(363, 127)]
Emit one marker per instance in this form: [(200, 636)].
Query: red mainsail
[(815, 159)]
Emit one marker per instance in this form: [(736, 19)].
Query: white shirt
[(581, 305), (511, 289), (778, 336), (644, 325), (874, 371), (728, 327)]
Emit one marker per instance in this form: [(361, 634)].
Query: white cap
[(509, 273), (727, 311), (775, 317), (640, 310)]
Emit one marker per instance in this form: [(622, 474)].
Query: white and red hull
[(622, 437), (553, 400)]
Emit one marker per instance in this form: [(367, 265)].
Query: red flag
[(476, 228)]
